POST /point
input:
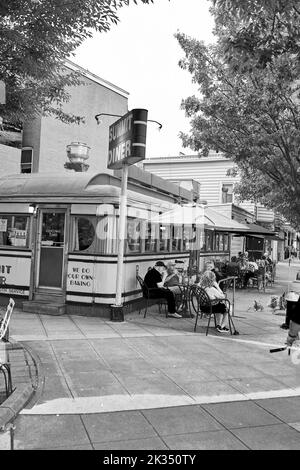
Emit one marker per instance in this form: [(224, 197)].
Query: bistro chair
[(199, 299), (147, 296), (259, 279), (4, 360)]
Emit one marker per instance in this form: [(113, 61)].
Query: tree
[(248, 102), (36, 36)]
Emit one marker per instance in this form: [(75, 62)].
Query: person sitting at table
[(250, 271), (210, 266), (154, 280), (172, 278), (210, 285), (233, 267)]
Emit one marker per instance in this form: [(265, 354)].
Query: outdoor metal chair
[(147, 296), (271, 273), (200, 300), (4, 360), (259, 279)]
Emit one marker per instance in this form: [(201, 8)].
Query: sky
[(141, 56)]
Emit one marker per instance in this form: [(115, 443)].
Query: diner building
[(58, 237)]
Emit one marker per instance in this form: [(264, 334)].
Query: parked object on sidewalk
[(279, 349), (256, 306), (4, 322), (278, 302)]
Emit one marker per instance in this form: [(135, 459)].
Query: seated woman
[(209, 284), (210, 266)]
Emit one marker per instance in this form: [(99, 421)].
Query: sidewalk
[(155, 384)]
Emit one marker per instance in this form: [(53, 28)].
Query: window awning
[(216, 221), (259, 231), (200, 215)]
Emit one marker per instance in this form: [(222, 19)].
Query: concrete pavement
[(155, 384)]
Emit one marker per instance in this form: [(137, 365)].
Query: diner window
[(14, 230), (208, 240), (221, 242), (164, 237), (85, 231), (133, 235), (227, 193), (226, 242), (106, 234), (176, 237), (151, 236), (217, 242), (189, 237)]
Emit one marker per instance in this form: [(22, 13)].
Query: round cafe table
[(184, 301)]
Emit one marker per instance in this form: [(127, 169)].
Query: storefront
[(58, 238)]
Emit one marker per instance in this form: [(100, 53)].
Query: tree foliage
[(36, 36), (248, 102)]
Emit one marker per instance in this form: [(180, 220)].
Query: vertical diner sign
[(127, 145), (127, 139)]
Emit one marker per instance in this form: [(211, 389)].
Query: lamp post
[(127, 145)]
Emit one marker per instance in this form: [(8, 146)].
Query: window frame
[(225, 193), (28, 230)]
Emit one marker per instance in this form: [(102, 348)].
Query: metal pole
[(233, 293), (121, 236)]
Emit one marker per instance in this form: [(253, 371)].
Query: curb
[(23, 393)]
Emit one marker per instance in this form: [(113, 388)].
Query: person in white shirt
[(251, 270), (209, 284)]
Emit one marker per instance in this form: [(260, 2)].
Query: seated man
[(154, 280), (209, 284), (232, 267)]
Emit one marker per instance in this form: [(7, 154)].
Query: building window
[(26, 160), (227, 193)]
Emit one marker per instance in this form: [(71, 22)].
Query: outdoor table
[(185, 295)]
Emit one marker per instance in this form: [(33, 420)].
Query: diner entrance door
[(51, 250)]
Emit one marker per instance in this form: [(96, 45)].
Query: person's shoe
[(222, 330), (174, 315)]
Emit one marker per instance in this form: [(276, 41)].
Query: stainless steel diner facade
[(58, 235)]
